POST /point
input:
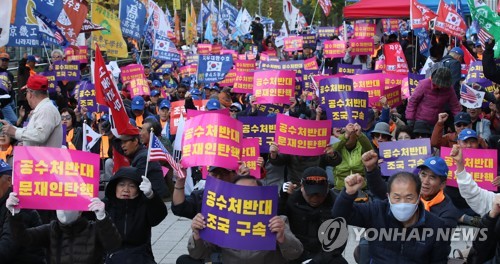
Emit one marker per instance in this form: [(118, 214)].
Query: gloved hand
[(146, 187), (98, 207), (12, 202), (488, 45)]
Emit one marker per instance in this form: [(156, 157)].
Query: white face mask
[(403, 211), (67, 217)]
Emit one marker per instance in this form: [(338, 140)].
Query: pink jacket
[(426, 103)]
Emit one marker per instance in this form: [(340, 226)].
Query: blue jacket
[(445, 210), (377, 215)]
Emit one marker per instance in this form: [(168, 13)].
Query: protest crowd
[(274, 143)]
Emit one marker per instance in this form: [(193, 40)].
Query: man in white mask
[(412, 230), (71, 238)]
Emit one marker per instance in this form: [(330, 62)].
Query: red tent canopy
[(378, 9)]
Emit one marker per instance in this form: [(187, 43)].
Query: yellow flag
[(177, 4), (187, 32), (194, 32), (190, 30), (110, 40)]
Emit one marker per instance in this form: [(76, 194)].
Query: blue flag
[(49, 8), (24, 32), (228, 13), (149, 32), (213, 68), (164, 49), (209, 32), (132, 17), (202, 16), (423, 40)]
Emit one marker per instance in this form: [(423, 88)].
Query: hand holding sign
[(277, 225), (197, 225), (353, 183), (98, 207), (12, 202)]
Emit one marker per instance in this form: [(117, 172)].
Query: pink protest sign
[(244, 65), (192, 113), (229, 79), (273, 87), (393, 96), (212, 139), (131, 72), (362, 46), (480, 163), (54, 178), (311, 64), (139, 87), (364, 30), (334, 49), (405, 89), (302, 137), (243, 82), (79, 55), (373, 83), (391, 80), (250, 152), (188, 70), (204, 49), (293, 43), (216, 49), (232, 52)]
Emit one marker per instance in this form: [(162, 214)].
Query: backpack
[(435, 66)]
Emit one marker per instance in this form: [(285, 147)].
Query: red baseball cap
[(38, 82)]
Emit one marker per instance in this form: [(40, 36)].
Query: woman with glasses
[(74, 133)]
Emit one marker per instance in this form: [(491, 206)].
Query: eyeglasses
[(65, 117), (461, 124)]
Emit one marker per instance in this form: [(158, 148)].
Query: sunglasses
[(5, 59), (65, 117), (377, 135), (233, 110)]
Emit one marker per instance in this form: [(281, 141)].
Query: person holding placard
[(288, 247), (134, 208)]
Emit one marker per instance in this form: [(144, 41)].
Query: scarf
[(436, 200)]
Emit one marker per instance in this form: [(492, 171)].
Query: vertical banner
[(132, 17), (334, 49), (262, 128), (249, 155), (110, 40), (404, 155), (212, 139), (482, 164), (273, 87), (86, 96), (347, 107), (302, 137), (238, 216), (395, 61), (362, 46), (55, 178), (243, 82), (294, 43)]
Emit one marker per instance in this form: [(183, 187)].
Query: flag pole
[(314, 13), (149, 152), (47, 53)]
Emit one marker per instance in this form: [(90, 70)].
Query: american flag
[(157, 152), (483, 35), (467, 93)]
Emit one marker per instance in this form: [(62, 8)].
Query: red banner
[(420, 15), (449, 21), (395, 61)]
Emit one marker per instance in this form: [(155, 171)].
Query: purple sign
[(265, 110), (309, 40), (476, 75), (348, 69), (345, 107), (67, 71), (403, 155), (261, 127), (237, 216), (51, 76), (86, 96), (270, 65), (359, 71), (4, 81), (327, 32), (413, 80)]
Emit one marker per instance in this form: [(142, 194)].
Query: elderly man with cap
[(431, 97), (453, 61), (462, 121), (12, 252), (139, 111), (213, 104), (307, 208), (131, 147), (44, 128), (7, 78), (152, 106)]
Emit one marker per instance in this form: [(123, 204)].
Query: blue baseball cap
[(462, 117), (167, 71), (31, 58), (215, 88), (466, 134), (206, 86), (5, 168), (157, 83), (165, 104), (195, 94), (458, 51), (213, 104), (138, 103), (155, 93), (436, 165)]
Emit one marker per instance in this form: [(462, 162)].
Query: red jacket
[(426, 103)]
